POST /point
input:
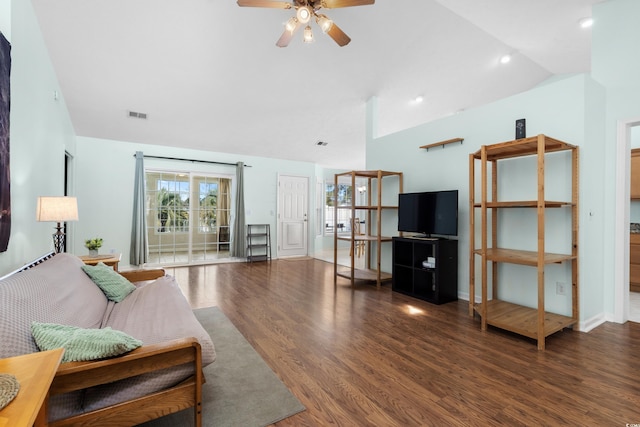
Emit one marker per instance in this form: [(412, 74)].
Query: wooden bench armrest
[(73, 376), (142, 275)]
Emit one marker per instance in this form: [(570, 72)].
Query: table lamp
[(57, 209)]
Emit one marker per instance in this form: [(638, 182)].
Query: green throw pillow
[(114, 286), (82, 344)]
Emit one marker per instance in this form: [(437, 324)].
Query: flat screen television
[(429, 213)]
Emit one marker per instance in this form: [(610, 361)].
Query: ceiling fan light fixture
[(324, 23), (304, 14), (291, 24), (308, 35)]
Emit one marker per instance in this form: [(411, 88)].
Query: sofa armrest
[(73, 376), (142, 275)]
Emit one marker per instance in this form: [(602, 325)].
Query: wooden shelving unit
[(535, 323), (374, 210)]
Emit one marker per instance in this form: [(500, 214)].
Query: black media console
[(426, 268)]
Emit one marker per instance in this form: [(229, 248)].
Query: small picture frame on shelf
[(521, 128)]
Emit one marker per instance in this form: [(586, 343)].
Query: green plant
[(92, 244)]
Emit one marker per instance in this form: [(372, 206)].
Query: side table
[(35, 373), (111, 260)]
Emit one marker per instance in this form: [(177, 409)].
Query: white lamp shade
[(57, 209), (308, 35)]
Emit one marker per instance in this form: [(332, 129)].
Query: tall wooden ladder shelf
[(535, 323), (372, 237)]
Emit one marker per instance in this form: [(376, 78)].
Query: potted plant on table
[(93, 245)]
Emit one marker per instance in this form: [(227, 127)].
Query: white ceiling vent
[(136, 115)]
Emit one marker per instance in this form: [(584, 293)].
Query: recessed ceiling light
[(505, 59), (322, 143), (586, 22), (417, 100)]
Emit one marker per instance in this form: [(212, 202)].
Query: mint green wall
[(5, 18), (104, 186), (582, 110), (564, 109), (616, 65), (40, 133)]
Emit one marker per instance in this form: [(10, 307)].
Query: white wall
[(104, 187), (40, 132)]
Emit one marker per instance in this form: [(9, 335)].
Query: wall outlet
[(561, 288)]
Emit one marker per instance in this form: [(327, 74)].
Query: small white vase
[(93, 253)]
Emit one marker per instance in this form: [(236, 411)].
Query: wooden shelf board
[(522, 320), (369, 174), (363, 274), (524, 204), (442, 143), (522, 147), (364, 238), (515, 256)]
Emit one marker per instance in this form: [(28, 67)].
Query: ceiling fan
[(305, 11)]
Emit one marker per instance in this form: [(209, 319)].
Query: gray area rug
[(241, 389)]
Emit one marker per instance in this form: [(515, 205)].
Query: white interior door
[(293, 197)]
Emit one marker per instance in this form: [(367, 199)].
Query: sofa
[(161, 376)]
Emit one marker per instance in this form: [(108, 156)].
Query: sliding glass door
[(188, 217)]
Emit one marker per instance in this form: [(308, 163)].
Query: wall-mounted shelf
[(442, 143)]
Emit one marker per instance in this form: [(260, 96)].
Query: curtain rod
[(192, 160)]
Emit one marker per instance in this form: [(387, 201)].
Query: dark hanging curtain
[(239, 238), (138, 254)]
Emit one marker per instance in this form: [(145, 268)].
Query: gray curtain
[(138, 252), (239, 237)]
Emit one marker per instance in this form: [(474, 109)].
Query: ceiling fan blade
[(264, 3), (286, 36), (333, 4), (338, 35)]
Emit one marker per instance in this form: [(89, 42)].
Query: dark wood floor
[(369, 357)]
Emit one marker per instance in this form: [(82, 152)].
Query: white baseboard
[(592, 323)]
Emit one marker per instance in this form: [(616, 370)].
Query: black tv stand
[(426, 268)]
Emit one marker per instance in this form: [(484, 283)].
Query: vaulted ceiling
[(208, 75)]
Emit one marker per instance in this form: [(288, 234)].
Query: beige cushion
[(114, 286), (82, 344)]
